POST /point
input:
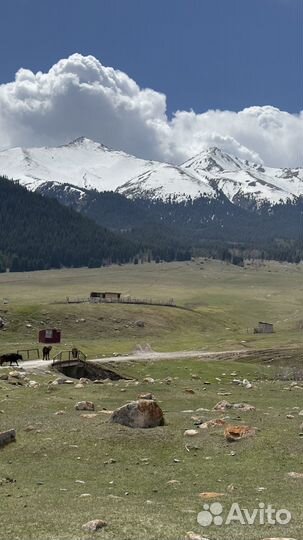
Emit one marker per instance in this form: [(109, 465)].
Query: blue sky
[(160, 79), (225, 54)]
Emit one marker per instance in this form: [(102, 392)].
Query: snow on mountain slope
[(236, 177), (86, 164), (167, 181), (83, 163)]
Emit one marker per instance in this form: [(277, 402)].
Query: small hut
[(50, 336), (97, 297), (264, 328)]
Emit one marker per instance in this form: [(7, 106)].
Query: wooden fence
[(28, 351), (67, 355)]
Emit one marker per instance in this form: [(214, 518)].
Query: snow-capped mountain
[(88, 165), (238, 178)]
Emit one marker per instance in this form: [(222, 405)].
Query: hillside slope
[(38, 233)]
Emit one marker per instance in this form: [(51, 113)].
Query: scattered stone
[(7, 437), (83, 380), (89, 416), (85, 406), (79, 385), (189, 391), (7, 480), (218, 422), (94, 525), (143, 413), (33, 384), (62, 380), (243, 407), (59, 413), (149, 380), (145, 396), (140, 324), (206, 495), (222, 406), (225, 406), (173, 482), (193, 536), (295, 475), (235, 433), (190, 433), (16, 381), (29, 428), (289, 416)]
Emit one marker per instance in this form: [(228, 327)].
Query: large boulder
[(144, 413)]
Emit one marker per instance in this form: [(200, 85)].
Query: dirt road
[(177, 355)]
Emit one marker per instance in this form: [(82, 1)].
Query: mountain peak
[(87, 164), (84, 142)]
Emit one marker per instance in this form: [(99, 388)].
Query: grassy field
[(223, 304), (126, 474), (134, 494)]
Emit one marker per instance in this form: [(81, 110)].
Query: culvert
[(78, 369)]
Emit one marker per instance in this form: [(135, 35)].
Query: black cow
[(12, 358), (46, 351)]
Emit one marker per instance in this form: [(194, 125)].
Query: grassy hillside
[(223, 303)]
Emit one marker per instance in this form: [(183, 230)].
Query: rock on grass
[(143, 413), (94, 525)]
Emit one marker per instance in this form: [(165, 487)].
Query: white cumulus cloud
[(79, 96)]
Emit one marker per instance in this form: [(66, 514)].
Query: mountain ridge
[(89, 165)]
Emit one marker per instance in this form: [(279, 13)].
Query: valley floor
[(66, 469)]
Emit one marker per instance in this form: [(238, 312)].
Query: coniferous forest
[(39, 233), (63, 228)]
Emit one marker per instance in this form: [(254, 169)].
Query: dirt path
[(266, 354)]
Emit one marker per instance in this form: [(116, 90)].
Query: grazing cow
[(46, 351), (12, 358)]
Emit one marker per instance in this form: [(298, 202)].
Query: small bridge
[(66, 357), (77, 368)]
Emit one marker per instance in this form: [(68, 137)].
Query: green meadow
[(66, 469)]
